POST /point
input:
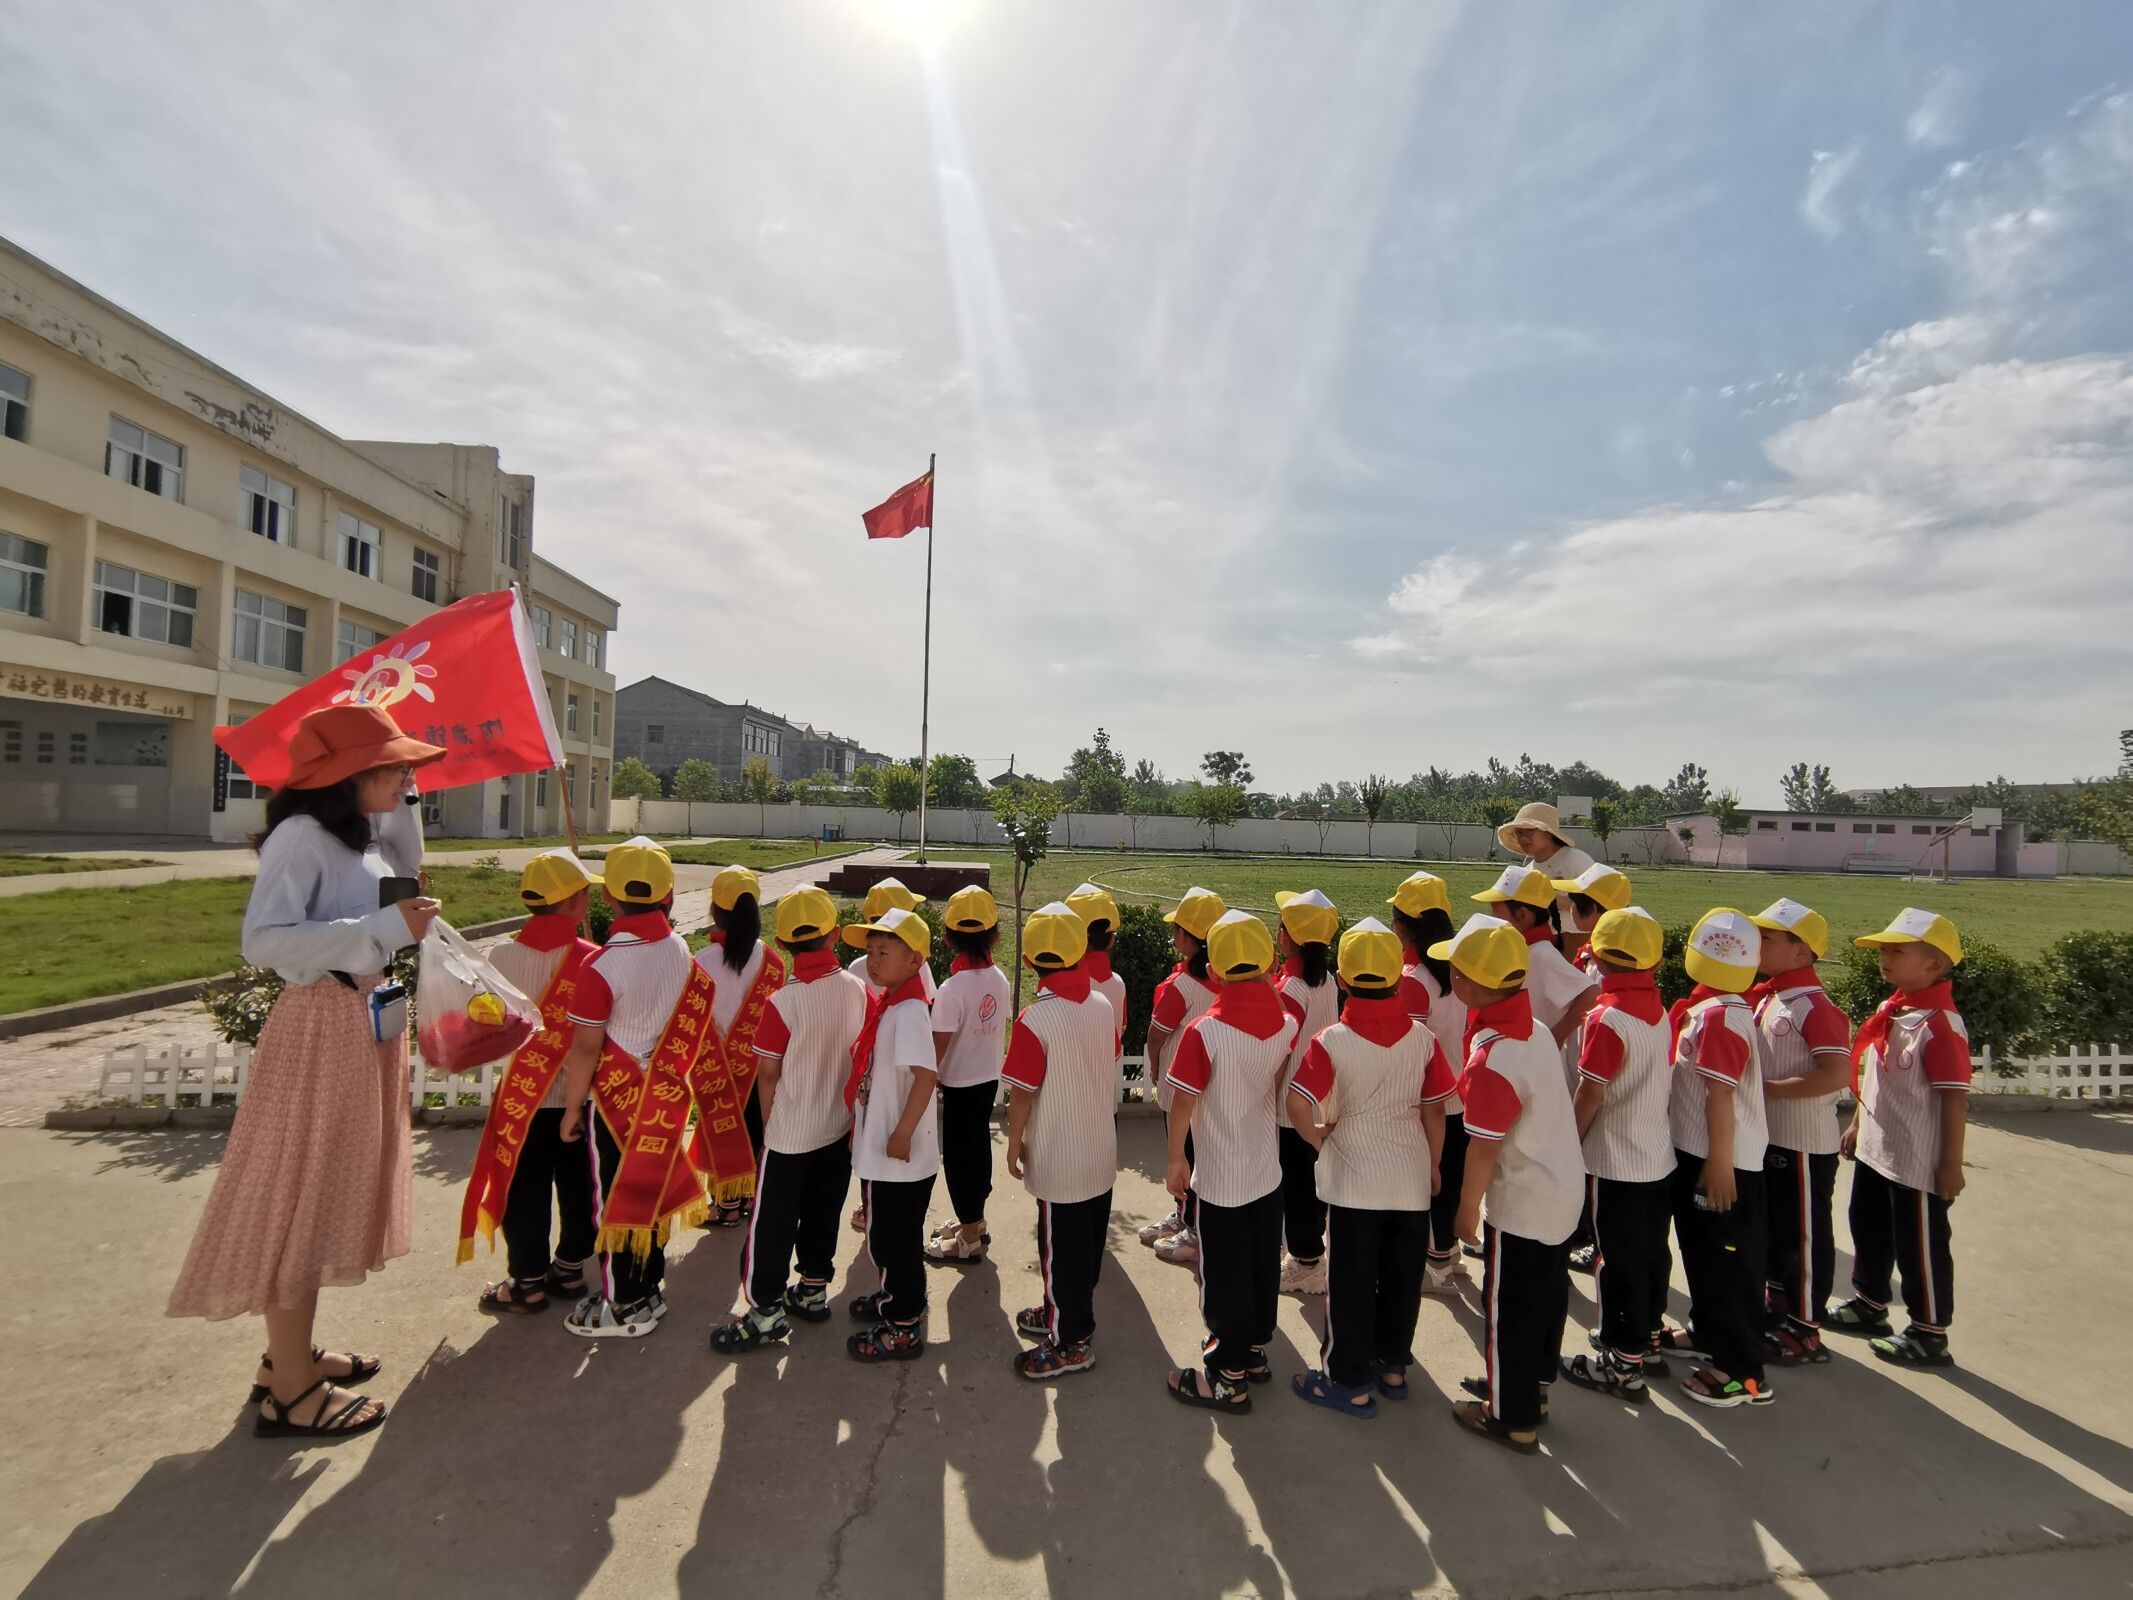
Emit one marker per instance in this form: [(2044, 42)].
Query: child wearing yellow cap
[(1559, 994), (889, 895), (803, 1049), (1524, 1174), (1720, 1130), (1625, 1081), (1589, 896), (1099, 914), (1228, 1069), (547, 1176), (1422, 916), (1913, 1056), (1062, 1138), (1806, 1044), (1306, 925), (1180, 998), (745, 972), (969, 1037), (1369, 1094)]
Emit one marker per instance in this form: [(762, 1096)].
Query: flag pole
[(925, 671)]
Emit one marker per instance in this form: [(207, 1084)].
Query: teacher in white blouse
[(314, 1185)]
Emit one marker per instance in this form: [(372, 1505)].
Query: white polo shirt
[(903, 1046), (1179, 999), (1514, 1093), (1234, 1059), (1370, 1074), (808, 1028), (1315, 1010), (1625, 1045), (1716, 1044), (1794, 1021), (1552, 983), (1097, 964), (1062, 1054), (631, 985), (1924, 1055), (730, 988), (972, 1005)]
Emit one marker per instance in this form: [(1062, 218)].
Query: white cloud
[(1826, 175), (1938, 117)]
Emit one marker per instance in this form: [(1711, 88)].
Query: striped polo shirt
[(1924, 1054), (1179, 998), (531, 958), (633, 982), (1370, 1074), (1514, 1092), (1716, 1044), (1447, 1020), (1794, 1022), (1315, 1010), (808, 1029), (1233, 1059), (1552, 983), (1063, 1054), (1097, 964), (1626, 1046)]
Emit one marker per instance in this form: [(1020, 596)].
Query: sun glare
[(923, 22)]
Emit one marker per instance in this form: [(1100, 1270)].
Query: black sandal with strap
[(511, 1298), (335, 1426), (361, 1369)]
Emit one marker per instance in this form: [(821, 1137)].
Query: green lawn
[(69, 945), (761, 854), (21, 866), (542, 842), (2021, 918)]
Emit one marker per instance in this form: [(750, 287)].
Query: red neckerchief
[(863, 1046), (1070, 984), (1249, 1005), (1511, 1016), (1381, 1020), (1778, 982), (649, 926), (1875, 1030), (545, 933), (968, 964), (1293, 967), (1540, 933), (809, 965), (1636, 993), (1097, 964)]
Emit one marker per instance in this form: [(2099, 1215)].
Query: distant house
[(1808, 841), (663, 725), (810, 751)]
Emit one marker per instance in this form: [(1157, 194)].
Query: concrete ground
[(521, 1461)]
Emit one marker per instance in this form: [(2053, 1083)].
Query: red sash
[(656, 1183), (724, 1074), (519, 1091)]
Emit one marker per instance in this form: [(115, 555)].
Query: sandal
[(361, 1369), (808, 1301), (1473, 1416), (1256, 1370), (1479, 1389), (1608, 1374), (888, 1341), (514, 1299), (1034, 1322), (1677, 1341), (1911, 1348), (569, 1282), (1392, 1391), (730, 1215), (1790, 1346), (323, 1426), (1655, 1362), (867, 1308), (1862, 1317), (859, 1219), (951, 1248), (749, 1332), (1319, 1390), (1703, 1386), (1210, 1391), (1054, 1360)]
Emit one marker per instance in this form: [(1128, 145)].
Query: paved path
[(521, 1461)]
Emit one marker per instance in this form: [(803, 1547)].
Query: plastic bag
[(466, 1012)]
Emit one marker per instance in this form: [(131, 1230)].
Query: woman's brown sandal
[(361, 1369), (334, 1425)]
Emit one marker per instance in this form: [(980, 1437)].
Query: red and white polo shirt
[(1911, 1052), (1233, 1058), (631, 984), (1179, 999), (808, 1029), (1097, 964), (1315, 1010), (1795, 1021), (1514, 1093), (1370, 1074), (1063, 1054), (1716, 1045), (1446, 1013), (1624, 1046)]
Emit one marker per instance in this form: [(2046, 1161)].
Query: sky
[(1365, 389)]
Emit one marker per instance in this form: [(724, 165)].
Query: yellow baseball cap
[(552, 877), (806, 913), (1198, 912), (897, 923), (1093, 903), (1420, 892), (1597, 882), (733, 882), (889, 894), (972, 910), (1522, 885), (638, 872), (1054, 938), (1914, 926), (1789, 916), (1630, 934), (1239, 947), (1488, 950), (1309, 917), (1370, 955), (1723, 950)]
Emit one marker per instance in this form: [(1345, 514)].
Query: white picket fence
[(2092, 1072)]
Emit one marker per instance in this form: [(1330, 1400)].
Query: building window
[(145, 460), (1825, 827), (269, 505), (655, 733), (268, 633), (1921, 827), (1884, 827), (352, 639), (14, 403), (362, 547), (1800, 827), (596, 716), (569, 638), (21, 575), (77, 749), (1862, 827), (240, 787), (44, 749), (592, 647), (11, 744), (1980, 833), (144, 607), (570, 714), (543, 626), (540, 788), (592, 795), (1764, 825), (429, 566), (511, 535), (570, 781)]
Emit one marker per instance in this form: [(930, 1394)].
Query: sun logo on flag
[(388, 679)]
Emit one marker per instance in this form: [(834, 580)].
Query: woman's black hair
[(1433, 926), (1317, 959), (1101, 933), (742, 924), (336, 808), (976, 943), (1196, 963)]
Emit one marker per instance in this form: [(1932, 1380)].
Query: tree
[(1025, 813), (898, 793), (1689, 791), (633, 780), (1371, 792), (1602, 822), (1808, 788), (815, 788), (1905, 800), (1216, 804), (953, 784), (761, 783), (696, 780), (1227, 768), (1096, 776), (1323, 818), (1731, 816), (1494, 813)]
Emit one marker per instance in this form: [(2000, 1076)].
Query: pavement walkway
[(521, 1461)]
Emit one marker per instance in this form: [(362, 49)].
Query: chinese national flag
[(464, 677), (909, 508)]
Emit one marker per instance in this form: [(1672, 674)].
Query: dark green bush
[(1997, 994), (1142, 955)]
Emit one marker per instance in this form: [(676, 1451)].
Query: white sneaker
[(1181, 1249), (1303, 1277), (1445, 1278), (597, 1317), (1157, 1232)]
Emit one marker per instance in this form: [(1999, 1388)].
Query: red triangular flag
[(909, 508)]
